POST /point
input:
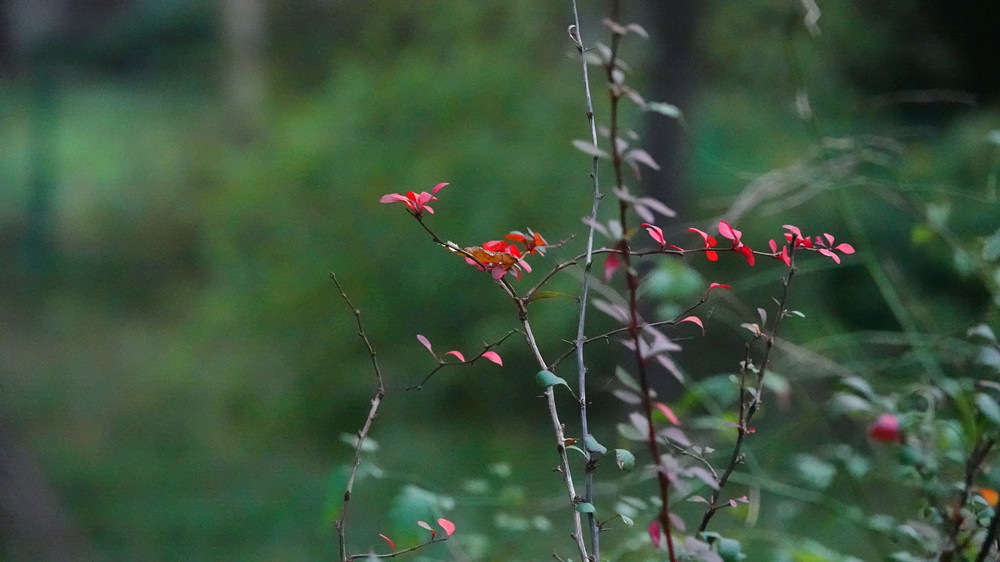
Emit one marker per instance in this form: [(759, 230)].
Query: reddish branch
[(632, 280)]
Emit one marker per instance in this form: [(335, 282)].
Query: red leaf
[(717, 286), (845, 248), (704, 236), (728, 232), (784, 257), (668, 413), (693, 320), (611, 265), (655, 233), (654, 533), (392, 545), (438, 188), (457, 354), (448, 526), (830, 254), (392, 198), (493, 356), (515, 236)]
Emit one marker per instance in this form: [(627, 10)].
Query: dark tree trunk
[(34, 525), (672, 25)]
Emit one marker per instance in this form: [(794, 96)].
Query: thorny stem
[(588, 494), (557, 426), (340, 524), (632, 280), (748, 407)]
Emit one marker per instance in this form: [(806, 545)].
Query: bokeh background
[(178, 178)]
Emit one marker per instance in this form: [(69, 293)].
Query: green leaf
[(629, 431), (627, 520), (626, 379), (593, 445), (548, 378), (815, 471), (730, 550), (625, 459), (586, 507), (988, 407)]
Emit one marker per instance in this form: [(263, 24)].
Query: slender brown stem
[(442, 364), (395, 553), (340, 524), (559, 430), (749, 405)]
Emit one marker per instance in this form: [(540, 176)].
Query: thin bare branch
[(340, 524)]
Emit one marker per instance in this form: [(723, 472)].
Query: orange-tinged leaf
[(990, 495), (492, 258)]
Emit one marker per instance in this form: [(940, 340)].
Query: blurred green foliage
[(184, 368)]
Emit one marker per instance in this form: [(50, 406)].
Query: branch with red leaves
[(486, 353), (340, 524), (500, 258)]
